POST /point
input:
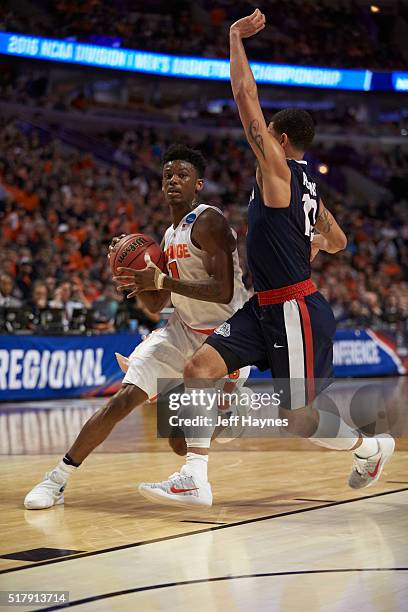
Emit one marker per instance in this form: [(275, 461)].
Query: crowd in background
[(19, 84), (307, 32), (60, 208)]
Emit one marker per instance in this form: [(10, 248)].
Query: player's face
[(180, 183)]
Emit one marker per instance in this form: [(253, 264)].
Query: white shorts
[(163, 354)]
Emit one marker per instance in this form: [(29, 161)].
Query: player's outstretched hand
[(249, 26)]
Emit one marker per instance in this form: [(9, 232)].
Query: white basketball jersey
[(184, 261)]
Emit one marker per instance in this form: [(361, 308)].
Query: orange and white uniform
[(157, 364)]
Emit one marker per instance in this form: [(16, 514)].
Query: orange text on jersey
[(177, 251)]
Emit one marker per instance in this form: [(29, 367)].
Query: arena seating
[(59, 208), (362, 37)]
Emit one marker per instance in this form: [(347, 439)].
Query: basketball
[(130, 251)]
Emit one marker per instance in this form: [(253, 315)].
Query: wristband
[(159, 277)]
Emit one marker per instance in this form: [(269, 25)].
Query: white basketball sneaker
[(48, 493), (365, 472), (180, 489)]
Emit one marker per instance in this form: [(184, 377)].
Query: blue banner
[(400, 81), (41, 367), (50, 49), (365, 353)]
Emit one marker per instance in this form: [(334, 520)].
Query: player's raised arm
[(269, 153)]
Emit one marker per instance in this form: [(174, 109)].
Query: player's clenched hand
[(249, 26), (114, 242), (135, 280)]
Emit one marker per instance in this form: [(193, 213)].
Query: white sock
[(368, 448), (333, 433), (64, 471), (197, 466)]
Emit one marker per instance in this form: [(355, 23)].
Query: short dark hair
[(184, 153), (297, 124)]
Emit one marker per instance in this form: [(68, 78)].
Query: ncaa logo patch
[(223, 330), (191, 217)]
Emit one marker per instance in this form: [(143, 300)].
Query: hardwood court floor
[(285, 532), (344, 557)]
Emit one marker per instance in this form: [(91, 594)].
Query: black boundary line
[(397, 481), (204, 522), (183, 535), (328, 501), (165, 585)]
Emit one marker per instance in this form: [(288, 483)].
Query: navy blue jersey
[(278, 240)]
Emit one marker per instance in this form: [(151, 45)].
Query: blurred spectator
[(39, 298), (393, 312), (25, 276), (51, 284), (105, 308), (36, 305), (69, 297), (7, 292)]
